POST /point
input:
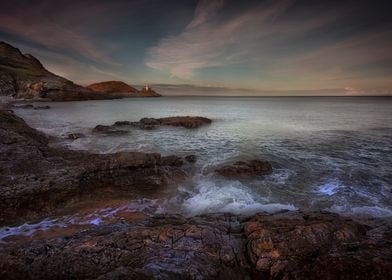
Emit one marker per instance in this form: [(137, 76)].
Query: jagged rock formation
[(34, 178), (214, 246)]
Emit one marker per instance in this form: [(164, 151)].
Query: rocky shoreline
[(37, 180)]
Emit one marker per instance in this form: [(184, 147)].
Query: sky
[(273, 47)]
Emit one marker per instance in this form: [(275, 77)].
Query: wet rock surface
[(188, 122), (35, 178), (245, 169), (151, 123), (214, 246)]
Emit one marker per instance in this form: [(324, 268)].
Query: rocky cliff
[(23, 76)]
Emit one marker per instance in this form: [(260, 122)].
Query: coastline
[(41, 181)]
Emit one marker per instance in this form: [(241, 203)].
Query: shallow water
[(328, 153)]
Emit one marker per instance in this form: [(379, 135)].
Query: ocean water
[(327, 153)]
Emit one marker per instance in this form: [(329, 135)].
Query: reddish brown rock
[(112, 87), (244, 169), (215, 246)]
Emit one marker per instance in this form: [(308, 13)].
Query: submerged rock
[(188, 122), (23, 106), (107, 129), (74, 136), (245, 169), (42, 107)]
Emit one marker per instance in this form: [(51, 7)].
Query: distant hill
[(23, 76), (121, 88)]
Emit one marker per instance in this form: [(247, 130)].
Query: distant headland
[(22, 76)]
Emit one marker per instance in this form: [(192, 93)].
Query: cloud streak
[(279, 47), (210, 42)]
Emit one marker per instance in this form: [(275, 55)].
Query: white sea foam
[(330, 187), (224, 196), (363, 211)]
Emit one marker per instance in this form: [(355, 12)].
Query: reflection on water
[(329, 153)]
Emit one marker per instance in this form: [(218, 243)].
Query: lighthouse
[(147, 88)]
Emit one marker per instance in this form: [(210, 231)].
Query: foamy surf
[(209, 196)]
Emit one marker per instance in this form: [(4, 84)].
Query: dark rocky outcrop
[(188, 122), (215, 246), (35, 178), (244, 169), (151, 123)]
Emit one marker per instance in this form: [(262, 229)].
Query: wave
[(211, 196)]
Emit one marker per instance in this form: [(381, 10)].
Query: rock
[(187, 122), (36, 178), (42, 107), (121, 123), (191, 158), (312, 246), (245, 169), (24, 106), (172, 160), (214, 246), (107, 129), (74, 136)]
